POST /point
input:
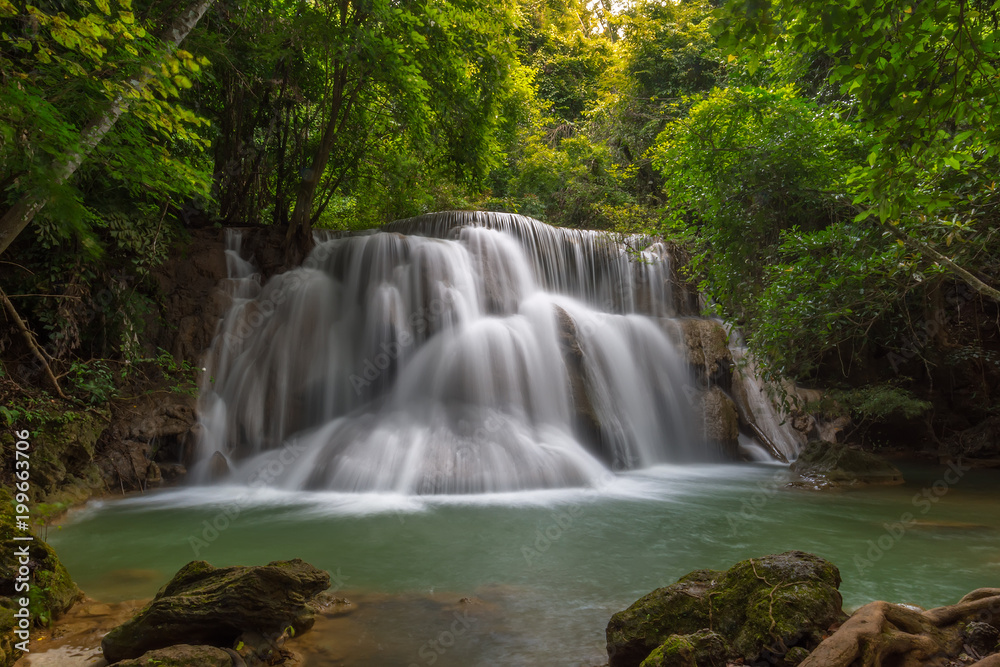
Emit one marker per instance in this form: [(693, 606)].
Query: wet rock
[(172, 472), (679, 609), (720, 420), (701, 649), (215, 606), (767, 606), (706, 344), (218, 467), (761, 608), (154, 477), (181, 655), (835, 464), (587, 422)]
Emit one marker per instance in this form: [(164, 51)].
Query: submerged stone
[(215, 606), (760, 608), (836, 464)]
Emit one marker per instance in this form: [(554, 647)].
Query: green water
[(542, 600)]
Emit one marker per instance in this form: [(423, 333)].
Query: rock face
[(760, 608), (836, 464), (721, 421), (588, 424), (215, 606), (707, 348), (64, 444)]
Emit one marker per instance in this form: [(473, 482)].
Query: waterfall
[(451, 353), (768, 420)]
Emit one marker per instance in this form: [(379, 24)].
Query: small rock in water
[(218, 467), (833, 464)]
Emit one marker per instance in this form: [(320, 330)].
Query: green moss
[(759, 607), (52, 589)]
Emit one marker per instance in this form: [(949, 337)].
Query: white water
[(452, 353)]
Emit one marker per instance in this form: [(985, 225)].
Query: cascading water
[(452, 353)]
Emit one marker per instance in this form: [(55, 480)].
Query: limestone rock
[(760, 608), (720, 420), (214, 606), (836, 464), (706, 345), (181, 655)]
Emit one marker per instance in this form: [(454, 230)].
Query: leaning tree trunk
[(20, 214)]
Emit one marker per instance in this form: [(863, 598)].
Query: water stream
[(544, 569)]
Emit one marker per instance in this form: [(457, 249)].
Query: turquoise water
[(545, 569)]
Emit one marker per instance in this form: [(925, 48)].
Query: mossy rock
[(836, 464), (181, 655), (701, 649), (63, 444), (770, 604), (214, 606), (760, 608), (52, 589), (679, 609), (8, 654)]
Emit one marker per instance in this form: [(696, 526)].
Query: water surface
[(542, 571)]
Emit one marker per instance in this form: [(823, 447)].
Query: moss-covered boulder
[(701, 649), (760, 608), (835, 464), (215, 606), (678, 609), (770, 604), (181, 655), (52, 590)]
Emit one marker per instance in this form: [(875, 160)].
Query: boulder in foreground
[(215, 606), (760, 608)]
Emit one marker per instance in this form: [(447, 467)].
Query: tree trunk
[(298, 239), (20, 214)]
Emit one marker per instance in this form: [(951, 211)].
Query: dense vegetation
[(828, 166)]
